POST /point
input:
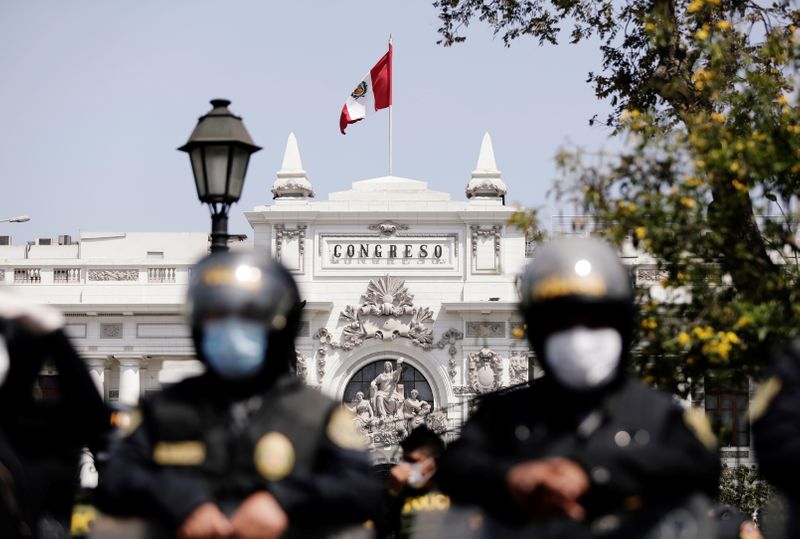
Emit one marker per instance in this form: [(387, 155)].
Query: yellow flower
[(739, 186), (743, 322), (652, 323), (695, 6), (783, 100), (688, 202), (732, 337), (717, 117), (795, 168), (649, 26), (635, 113), (723, 25), (693, 182), (703, 333), (734, 167), (641, 232), (684, 338), (702, 34)]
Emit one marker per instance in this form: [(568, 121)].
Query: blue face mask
[(234, 348)]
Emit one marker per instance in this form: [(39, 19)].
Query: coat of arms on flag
[(373, 93)]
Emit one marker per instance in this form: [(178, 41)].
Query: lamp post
[(17, 219), (219, 149)]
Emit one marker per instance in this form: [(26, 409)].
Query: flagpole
[(390, 121)]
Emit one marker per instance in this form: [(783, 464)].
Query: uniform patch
[(126, 422), (763, 397), (274, 456), (343, 432), (188, 453), (700, 427)]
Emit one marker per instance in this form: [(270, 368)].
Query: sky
[(97, 95)]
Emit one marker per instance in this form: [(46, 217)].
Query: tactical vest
[(191, 433)]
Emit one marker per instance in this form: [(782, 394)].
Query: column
[(97, 371), (129, 383)]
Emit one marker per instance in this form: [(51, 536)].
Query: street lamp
[(219, 149), (17, 219)]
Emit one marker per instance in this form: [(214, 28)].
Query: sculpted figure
[(365, 417), (386, 401), (411, 408)]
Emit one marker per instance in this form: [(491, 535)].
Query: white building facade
[(390, 271)]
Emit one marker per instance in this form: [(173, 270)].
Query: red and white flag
[(374, 92)]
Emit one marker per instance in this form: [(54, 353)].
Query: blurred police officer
[(42, 434), (412, 489), (775, 416), (587, 442), (245, 449)]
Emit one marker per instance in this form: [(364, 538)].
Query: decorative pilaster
[(129, 380), (97, 371)]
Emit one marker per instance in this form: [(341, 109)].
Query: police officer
[(245, 449), (42, 434), (775, 416), (587, 442)]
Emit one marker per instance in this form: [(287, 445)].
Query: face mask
[(233, 347), (583, 358)]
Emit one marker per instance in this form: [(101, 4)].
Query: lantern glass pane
[(217, 170), (196, 157), (238, 170)]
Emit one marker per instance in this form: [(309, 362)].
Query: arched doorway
[(387, 412), (410, 378)]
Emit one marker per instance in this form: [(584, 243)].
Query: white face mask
[(583, 358)]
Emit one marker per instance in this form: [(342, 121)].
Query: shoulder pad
[(342, 431), (699, 426), (763, 397)]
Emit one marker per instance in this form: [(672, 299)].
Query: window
[(727, 411), (410, 379)]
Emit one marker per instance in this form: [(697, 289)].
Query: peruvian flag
[(374, 92)]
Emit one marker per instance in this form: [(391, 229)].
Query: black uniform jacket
[(194, 445), (776, 428), (634, 444), (43, 434)]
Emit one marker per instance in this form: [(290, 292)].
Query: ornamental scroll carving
[(388, 228), (518, 367), (485, 370), (386, 313), (492, 232), (113, 275), (282, 233), (301, 368)]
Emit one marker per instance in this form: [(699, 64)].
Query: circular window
[(410, 378)]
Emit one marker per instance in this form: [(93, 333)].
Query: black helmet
[(252, 286), (573, 281)]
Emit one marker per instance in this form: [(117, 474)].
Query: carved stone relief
[(302, 366), (485, 261), (485, 370), (518, 366), (386, 313), (113, 275), (388, 228), (110, 331), (386, 417), (282, 234), (650, 275), (2, 275), (486, 329)]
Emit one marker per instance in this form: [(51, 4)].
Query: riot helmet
[(577, 300), (244, 310)]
